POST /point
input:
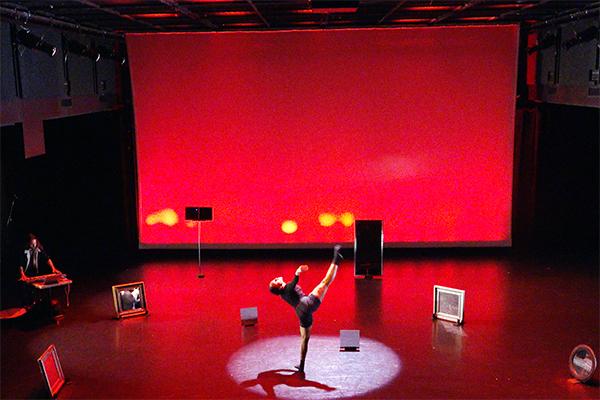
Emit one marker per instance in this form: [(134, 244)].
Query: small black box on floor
[(249, 316), (198, 213), (349, 340), (368, 248)]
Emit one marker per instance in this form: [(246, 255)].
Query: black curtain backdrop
[(89, 196), (13, 182), (78, 197), (566, 208)]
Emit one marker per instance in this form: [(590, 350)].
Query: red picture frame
[(51, 370)]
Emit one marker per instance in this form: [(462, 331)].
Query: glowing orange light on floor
[(327, 219), (289, 227), (166, 216)]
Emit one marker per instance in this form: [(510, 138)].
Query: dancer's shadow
[(269, 379)]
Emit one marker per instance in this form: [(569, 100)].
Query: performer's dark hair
[(30, 237), (275, 290)]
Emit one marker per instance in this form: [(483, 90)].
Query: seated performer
[(35, 261), (305, 305)]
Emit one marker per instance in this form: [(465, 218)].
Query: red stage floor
[(522, 319)]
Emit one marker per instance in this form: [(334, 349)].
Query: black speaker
[(368, 248), (198, 213)]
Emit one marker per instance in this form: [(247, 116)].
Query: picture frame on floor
[(129, 299), (448, 304), (51, 370)]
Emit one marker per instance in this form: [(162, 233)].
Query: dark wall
[(566, 207), (7, 71), (565, 64), (13, 166), (43, 76), (78, 197), (91, 172)]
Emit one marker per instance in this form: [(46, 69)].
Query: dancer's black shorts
[(305, 309)]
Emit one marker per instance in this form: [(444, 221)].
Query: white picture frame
[(448, 304)]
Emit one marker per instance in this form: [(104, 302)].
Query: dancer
[(305, 305)]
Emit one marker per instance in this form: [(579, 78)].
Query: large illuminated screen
[(290, 136)]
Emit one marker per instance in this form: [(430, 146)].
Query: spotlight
[(112, 54), (82, 50), (29, 40), (544, 43), (582, 362), (105, 52), (587, 35)]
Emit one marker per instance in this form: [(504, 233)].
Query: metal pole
[(200, 274)]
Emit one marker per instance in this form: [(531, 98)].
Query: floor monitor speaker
[(368, 248)]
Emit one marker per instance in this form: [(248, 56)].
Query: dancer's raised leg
[(321, 289)]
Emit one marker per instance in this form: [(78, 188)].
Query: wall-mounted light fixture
[(80, 49), (547, 41), (26, 38), (586, 35), (112, 54)]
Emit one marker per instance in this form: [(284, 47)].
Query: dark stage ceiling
[(123, 16)]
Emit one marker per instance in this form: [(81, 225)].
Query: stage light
[(347, 219), (112, 54), (29, 40), (289, 227), (168, 217), (587, 35), (547, 41), (582, 363), (327, 219), (105, 52), (82, 50)]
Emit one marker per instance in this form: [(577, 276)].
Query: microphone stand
[(200, 273), (10, 213)]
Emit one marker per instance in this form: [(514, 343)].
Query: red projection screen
[(292, 135)]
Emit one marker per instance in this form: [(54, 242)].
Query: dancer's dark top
[(292, 292), (304, 305)]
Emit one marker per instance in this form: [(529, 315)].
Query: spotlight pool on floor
[(266, 367)]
